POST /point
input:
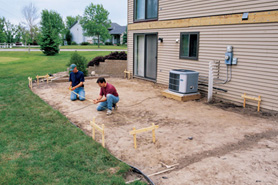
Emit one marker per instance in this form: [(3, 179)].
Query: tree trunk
[(29, 48), (98, 41)]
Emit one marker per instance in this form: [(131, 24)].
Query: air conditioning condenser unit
[(183, 81)]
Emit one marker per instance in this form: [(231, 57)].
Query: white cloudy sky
[(12, 9)]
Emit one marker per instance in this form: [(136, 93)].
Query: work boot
[(109, 112), (115, 106)]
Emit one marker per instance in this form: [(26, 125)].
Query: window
[(189, 45), (145, 9)]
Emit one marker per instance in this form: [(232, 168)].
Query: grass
[(94, 47), (123, 47), (38, 145)]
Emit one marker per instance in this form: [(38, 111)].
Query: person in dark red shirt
[(108, 96)]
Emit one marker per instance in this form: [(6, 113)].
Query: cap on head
[(72, 66)]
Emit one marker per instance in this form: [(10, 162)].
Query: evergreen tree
[(51, 28), (2, 30), (125, 37)]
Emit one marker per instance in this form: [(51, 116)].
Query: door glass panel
[(139, 55), (151, 44)]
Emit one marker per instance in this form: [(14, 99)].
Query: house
[(116, 31), (78, 34), (165, 35)]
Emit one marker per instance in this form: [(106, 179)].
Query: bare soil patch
[(211, 144)]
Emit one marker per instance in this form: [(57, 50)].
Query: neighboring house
[(197, 32), (117, 32), (78, 34)]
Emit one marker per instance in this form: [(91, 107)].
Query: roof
[(116, 29), (73, 24)]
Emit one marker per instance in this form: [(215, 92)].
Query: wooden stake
[(153, 131), (37, 79), (100, 129), (259, 103), (151, 128), (103, 141), (47, 76), (134, 138), (251, 98), (244, 101), (93, 135)]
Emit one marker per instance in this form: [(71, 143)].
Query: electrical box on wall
[(229, 55), (234, 62)]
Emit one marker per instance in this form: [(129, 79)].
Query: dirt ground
[(207, 144)]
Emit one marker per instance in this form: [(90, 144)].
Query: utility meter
[(229, 55)]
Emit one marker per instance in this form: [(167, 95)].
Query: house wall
[(77, 34), (219, 23), (177, 9), (255, 46)]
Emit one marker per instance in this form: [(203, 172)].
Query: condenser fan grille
[(174, 81)]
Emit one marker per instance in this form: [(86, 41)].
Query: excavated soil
[(206, 143)]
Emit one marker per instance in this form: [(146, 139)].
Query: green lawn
[(38, 145), (94, 47)]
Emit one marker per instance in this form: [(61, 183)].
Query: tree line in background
[(52, 31)]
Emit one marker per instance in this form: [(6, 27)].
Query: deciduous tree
[(30, 14), (95, 22)]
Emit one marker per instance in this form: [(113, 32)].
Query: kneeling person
[(111, 96), (76, 83)]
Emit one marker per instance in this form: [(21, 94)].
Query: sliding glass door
[(145, 55)]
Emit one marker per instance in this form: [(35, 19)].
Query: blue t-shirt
[(76, 78)]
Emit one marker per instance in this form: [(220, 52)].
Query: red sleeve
[(101, 92)]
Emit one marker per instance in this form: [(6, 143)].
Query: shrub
[(85, 43), (117, 56), (79, 61), (73, 43), (113, 56), (96, 61), (108, 43), (68, 37)]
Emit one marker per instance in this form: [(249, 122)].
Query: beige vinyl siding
[(177, 9), (255, 46), (130, 11), (180, 9)]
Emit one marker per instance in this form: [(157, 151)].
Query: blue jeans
[(111, 99), (80, 91)]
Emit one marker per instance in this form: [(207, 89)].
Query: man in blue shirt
[(76, 83)]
